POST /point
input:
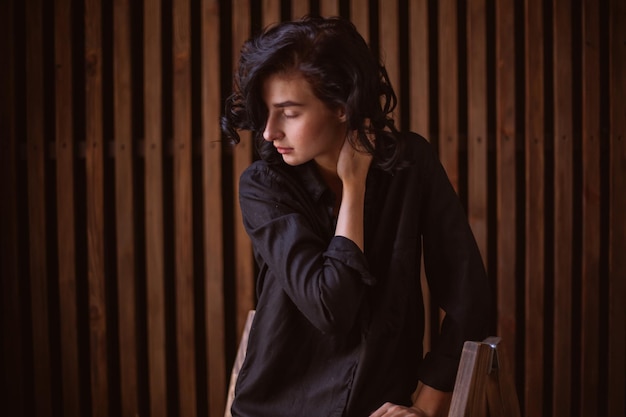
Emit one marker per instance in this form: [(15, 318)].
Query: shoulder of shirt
[(282, 176), (261, 169), (417, 150)]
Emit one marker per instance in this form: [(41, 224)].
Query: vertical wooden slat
[(35, 160), (389, 45), (506, 176), (420, 111), (183, 227), (534, 265), (617, 227), (563, 210), (65, 208), (617, 222), (12, 328), (448, 90), (329, 8), (155, 275), (271, 12), (477, 122), (212, 180), (590, 209), (94, 163), (124, 207), (242, 157), (299, 8), (534, 148), (360, 16), (418, 67)]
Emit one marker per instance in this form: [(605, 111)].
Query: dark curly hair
[(342, 71)]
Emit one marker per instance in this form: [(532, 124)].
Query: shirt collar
[(311, 179)]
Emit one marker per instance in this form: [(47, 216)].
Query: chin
[(292, 161)]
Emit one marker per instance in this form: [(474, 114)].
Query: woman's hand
[(353, 163), (394, 410), (429, 402)]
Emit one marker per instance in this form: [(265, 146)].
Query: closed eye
[(290, 114)]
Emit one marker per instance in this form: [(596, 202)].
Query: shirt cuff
[(439, 371), (347, 252)]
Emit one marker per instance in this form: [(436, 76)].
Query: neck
[(329, 175), (333, 182)]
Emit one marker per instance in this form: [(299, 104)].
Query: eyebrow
[(287, 103)]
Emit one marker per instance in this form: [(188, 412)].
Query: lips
[(283, 151)]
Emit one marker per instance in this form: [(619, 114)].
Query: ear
[(341, 114)]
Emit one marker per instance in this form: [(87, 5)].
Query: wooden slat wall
[(506, 134), (213, 228), (591, 202), (66, 216), (126, 273), (36, 139), (563, 212), (158, 404), (98, 272), (534, 149), (124, 207), (617, 206), (12, 316), (242, 156)]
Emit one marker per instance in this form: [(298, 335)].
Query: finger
[(381, 411)]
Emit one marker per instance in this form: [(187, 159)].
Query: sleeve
[(325, 280), (456, 278)]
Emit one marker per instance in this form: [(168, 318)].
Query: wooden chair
[(241, 355), (482, 383)]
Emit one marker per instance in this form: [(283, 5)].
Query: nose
[(271, 131)]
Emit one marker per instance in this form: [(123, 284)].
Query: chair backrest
[(241, 355), (484, 382)]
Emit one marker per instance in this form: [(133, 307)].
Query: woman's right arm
[(352, 168), (324, 279)]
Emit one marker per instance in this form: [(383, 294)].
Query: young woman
[(340, 207)]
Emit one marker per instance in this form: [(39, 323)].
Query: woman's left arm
[(429, 402)]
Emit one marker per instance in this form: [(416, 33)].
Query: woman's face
[(301, 126)]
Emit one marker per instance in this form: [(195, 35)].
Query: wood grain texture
[(37, 230), (242, 157), (66, 228), (183, 213), (389, 46), (94, 173), (591, 216), (534, 209), (299, 8), (213, 228), (563, 209), (329, 8), (360, 16), (239, 358), (12, 395), (506, 137), (448, 87), (484, 384), (418, 68), (124, 207), (617, 227), (477, 135), (155, 269), (271, 12)]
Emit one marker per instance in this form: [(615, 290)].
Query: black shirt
[(338, 332)]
